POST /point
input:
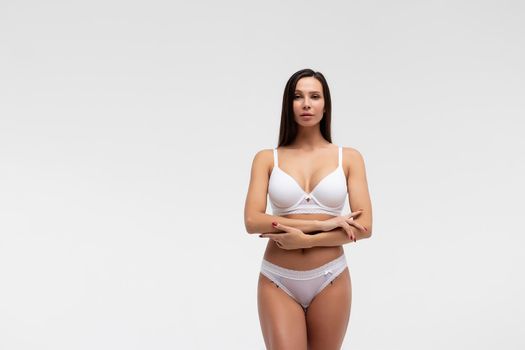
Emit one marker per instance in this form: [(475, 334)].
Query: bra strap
[(275, 158), (340, 156)]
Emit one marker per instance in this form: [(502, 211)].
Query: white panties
[(303, 286)]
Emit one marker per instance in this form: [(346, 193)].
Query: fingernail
[(260, 235), (355, 240)]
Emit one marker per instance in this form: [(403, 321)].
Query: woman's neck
[(309, 138)]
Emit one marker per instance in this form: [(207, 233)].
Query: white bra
[(287, 196)]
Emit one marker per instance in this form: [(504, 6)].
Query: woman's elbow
[(249, 224), (368, 232), (253, 222)]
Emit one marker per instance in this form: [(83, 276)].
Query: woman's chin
[(307, 124)]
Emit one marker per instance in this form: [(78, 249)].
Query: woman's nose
[(306, 103)]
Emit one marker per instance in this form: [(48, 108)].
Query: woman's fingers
[(281, 226), (349, 231), (356, 225), (269, 235), (355, 213), (273, 236)]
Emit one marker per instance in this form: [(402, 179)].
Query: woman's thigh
[(282, 319), (328, 314)]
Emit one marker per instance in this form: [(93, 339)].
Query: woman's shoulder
[(352, 155), (263, 156), (350, 151), (264, 153), (263, 160)]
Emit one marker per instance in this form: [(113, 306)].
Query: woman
[(304, 288)]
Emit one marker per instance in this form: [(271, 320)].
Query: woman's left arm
[(358, 197)]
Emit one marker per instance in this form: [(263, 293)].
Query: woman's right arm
[(255, 218)]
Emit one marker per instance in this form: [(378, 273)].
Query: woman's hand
[(345, 222), (291, 238)]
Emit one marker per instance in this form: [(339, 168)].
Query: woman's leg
[(328, 314), (282, 319)]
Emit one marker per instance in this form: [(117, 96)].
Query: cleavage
[(311, 188)]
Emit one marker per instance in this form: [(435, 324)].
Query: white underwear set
[(287, 197)]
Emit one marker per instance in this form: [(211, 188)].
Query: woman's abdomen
[(302, 259)]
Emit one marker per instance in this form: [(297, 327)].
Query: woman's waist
[(301, 259)]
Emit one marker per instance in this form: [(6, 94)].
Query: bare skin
[(284, 323)]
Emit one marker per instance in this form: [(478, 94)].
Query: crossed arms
[(300, 233)]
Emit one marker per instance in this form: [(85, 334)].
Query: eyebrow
[(312, 92)]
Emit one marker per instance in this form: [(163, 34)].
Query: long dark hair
[(288, 129)]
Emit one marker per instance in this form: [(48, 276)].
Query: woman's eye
[(296, 96), (316, 96)]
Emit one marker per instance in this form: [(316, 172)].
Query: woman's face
[(308, 102)]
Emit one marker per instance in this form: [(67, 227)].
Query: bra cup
[(332, 191), (282, 190), (287, 197)]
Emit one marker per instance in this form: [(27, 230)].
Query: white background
[(127, 132)]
